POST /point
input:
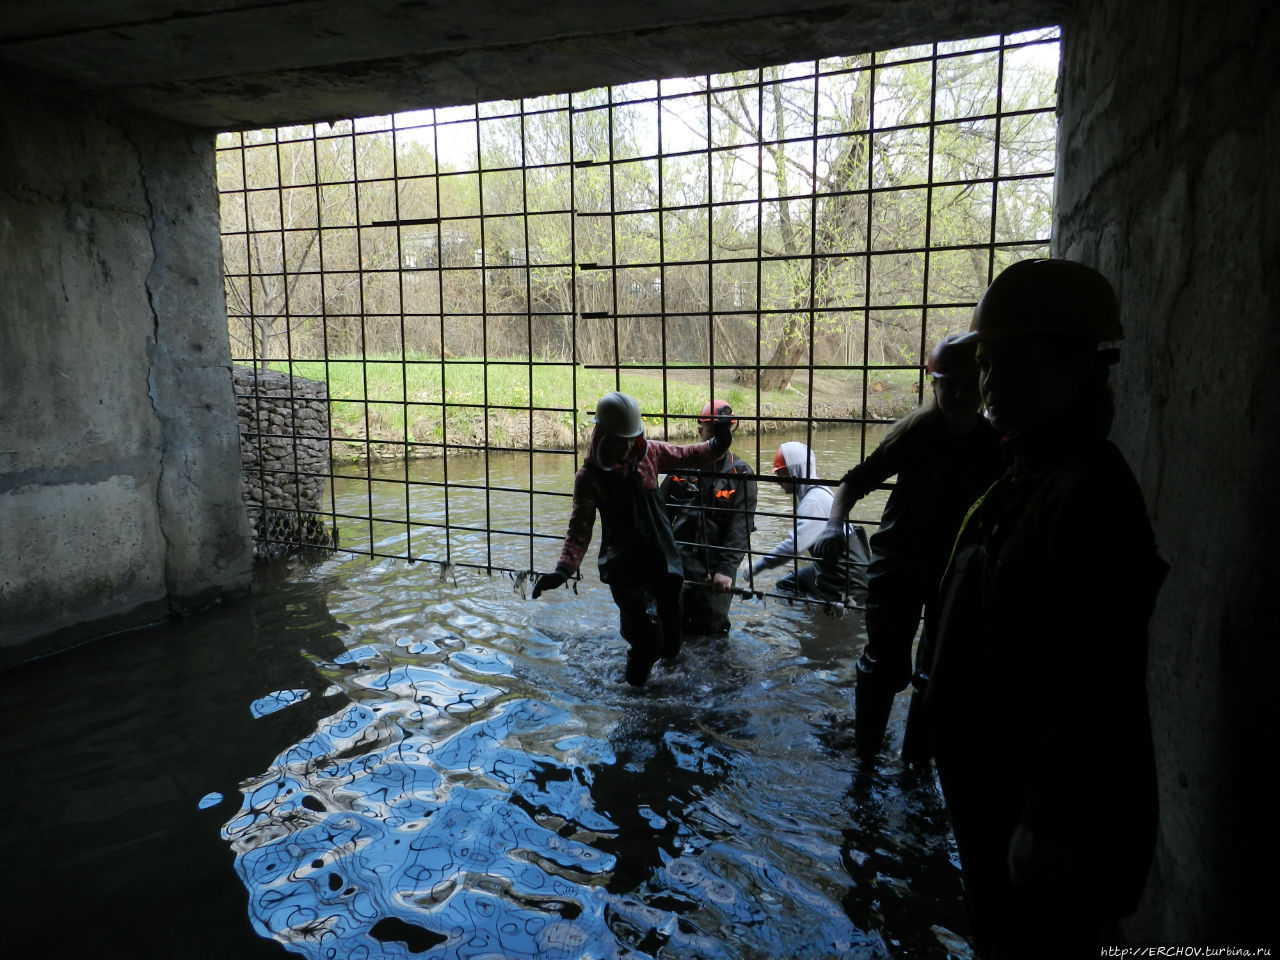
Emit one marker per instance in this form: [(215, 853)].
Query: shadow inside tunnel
[(121, 761)]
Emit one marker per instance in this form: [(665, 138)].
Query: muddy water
[(376, 762)]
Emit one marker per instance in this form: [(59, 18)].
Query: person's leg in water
[(668, 595), (894, 600), (802, 582), (916, 749), (640, 626), (706, 613)]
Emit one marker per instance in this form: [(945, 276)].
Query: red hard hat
[(716, 408), (952, 359)]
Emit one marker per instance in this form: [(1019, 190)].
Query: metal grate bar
[(466, 281)]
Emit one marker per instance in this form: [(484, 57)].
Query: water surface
[(365, 759)]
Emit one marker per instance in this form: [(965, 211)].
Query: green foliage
[(802, 215), (422, 382), (424, 400)]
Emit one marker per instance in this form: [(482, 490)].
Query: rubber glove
[(831, 543), (722, 433), (548, 581)]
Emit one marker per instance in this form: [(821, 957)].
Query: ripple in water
[(491, 790)]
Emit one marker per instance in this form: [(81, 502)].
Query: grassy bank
[(378, 404)]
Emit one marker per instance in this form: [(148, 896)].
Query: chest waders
[(640, 563)]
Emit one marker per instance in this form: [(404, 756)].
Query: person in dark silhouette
[(1036, 703), (638, 555), (712, 518), (944, 456)]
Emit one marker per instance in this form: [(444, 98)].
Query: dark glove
[(831, 543), (548, 581), (722, 432)]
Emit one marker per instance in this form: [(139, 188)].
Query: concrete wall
[(1167, 182), (119, 460)]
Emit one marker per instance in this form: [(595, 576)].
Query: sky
[(451, 132)]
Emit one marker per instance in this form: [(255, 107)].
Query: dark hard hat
[(1045, 297), (619, 414), (953, 359), (716, 408)]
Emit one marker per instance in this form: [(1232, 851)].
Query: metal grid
[(469, 280)]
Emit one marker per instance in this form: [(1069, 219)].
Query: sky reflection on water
[(492, 789)]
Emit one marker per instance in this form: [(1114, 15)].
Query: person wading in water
[(638, 556), (944, 456)]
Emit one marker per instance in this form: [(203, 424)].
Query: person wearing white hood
[(831, 580)]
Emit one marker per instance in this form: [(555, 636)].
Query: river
[(369, 759)]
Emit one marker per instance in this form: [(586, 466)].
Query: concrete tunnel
[(120, 492)]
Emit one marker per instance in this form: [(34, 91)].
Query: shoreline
[(510, 430)]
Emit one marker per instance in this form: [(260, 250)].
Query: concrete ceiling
[(239, 64)]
